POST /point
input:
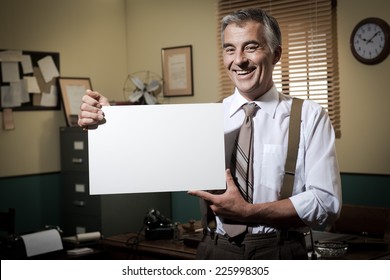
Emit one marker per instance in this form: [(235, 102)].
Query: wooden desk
[(125, 246), (359, 248), (362, 248), (128, 246)]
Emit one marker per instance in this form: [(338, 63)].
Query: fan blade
[(135, 96), (153, 86), (150, 99), (138, 83)]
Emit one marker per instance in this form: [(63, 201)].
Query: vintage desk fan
[(142, 87)]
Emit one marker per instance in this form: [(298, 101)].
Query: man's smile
[(243, 72)]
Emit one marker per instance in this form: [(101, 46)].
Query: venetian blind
[(308, 68)]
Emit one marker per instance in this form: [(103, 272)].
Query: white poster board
[(157, 148)]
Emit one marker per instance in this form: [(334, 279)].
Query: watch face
[(369, 41)]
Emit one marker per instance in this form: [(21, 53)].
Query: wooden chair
[(7, 221), (364, 220)]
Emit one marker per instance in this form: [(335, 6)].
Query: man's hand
[(230, 204), (90, 109)]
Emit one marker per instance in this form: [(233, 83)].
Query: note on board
[(157, 148)]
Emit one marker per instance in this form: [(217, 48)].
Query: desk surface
[(359, 248), (130, 245)]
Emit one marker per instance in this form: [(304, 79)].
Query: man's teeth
[(242, 72)]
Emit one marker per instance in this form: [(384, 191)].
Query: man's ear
[(277, 55)]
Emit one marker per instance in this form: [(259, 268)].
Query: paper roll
[(42, 242), (88, 236)]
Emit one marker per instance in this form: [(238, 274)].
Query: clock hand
[(368, 41)]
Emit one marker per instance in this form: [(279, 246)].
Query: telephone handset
[(157, 225), (154, 219)]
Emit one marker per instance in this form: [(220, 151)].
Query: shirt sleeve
[(318, 199)]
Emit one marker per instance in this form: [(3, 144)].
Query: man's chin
[(245, 91)]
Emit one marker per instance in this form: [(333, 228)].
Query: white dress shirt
[(317, 188)]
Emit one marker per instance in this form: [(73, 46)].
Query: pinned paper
[(51, 98), (32, 84), (7, 100), (157, 148), (11, 55), (14, 95), (10, 71), (25, 97), (8, 119), (48, 68), (27, 64)]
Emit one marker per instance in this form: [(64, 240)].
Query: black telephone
[(154, 219), (157, 225)]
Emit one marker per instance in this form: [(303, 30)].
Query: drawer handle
[(77, 160), (79, 203)]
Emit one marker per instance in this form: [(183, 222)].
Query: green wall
[(368, 190), (37, 198)]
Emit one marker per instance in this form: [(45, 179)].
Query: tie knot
[(249, 109)]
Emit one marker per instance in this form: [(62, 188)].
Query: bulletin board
[(37, 86)]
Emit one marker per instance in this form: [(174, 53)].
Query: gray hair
[(271, 27)]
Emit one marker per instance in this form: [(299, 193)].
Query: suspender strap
[(293, 145)]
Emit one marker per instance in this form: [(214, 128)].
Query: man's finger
[(100, 99), (202, 194), (229, 179)]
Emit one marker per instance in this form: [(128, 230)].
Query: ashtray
[(330, 249)]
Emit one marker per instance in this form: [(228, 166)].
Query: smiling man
[(251, 220), (270, 227)]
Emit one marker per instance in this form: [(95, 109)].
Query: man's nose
[(240, 58)]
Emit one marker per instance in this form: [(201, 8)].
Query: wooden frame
[(72, 90), (177, 71)]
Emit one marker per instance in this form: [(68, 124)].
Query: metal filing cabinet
[(109, 214)]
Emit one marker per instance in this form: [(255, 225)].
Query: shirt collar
[(267, 102)]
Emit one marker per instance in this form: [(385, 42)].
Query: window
[(309, 65)]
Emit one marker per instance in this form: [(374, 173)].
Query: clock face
[(370, 41)]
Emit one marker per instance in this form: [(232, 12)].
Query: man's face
[(248, 59)]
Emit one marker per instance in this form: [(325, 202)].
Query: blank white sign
[(157, 148)]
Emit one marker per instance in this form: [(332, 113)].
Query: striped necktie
[(242, 165)]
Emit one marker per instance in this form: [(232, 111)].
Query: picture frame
[(72, 91), (177, 71)]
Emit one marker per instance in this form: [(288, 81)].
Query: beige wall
[(153, 25), (106, 39), (91, 39), (365, 96)]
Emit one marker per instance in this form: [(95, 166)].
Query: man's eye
[(251, 48), (229, 50)]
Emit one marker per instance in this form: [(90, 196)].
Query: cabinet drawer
[(76, 198), (74, 149)]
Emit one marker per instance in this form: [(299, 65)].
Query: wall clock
[(370, 41)]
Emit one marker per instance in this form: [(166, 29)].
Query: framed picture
[(72, 90), (177, 71)]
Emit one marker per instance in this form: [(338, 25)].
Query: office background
[(106, 40)]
